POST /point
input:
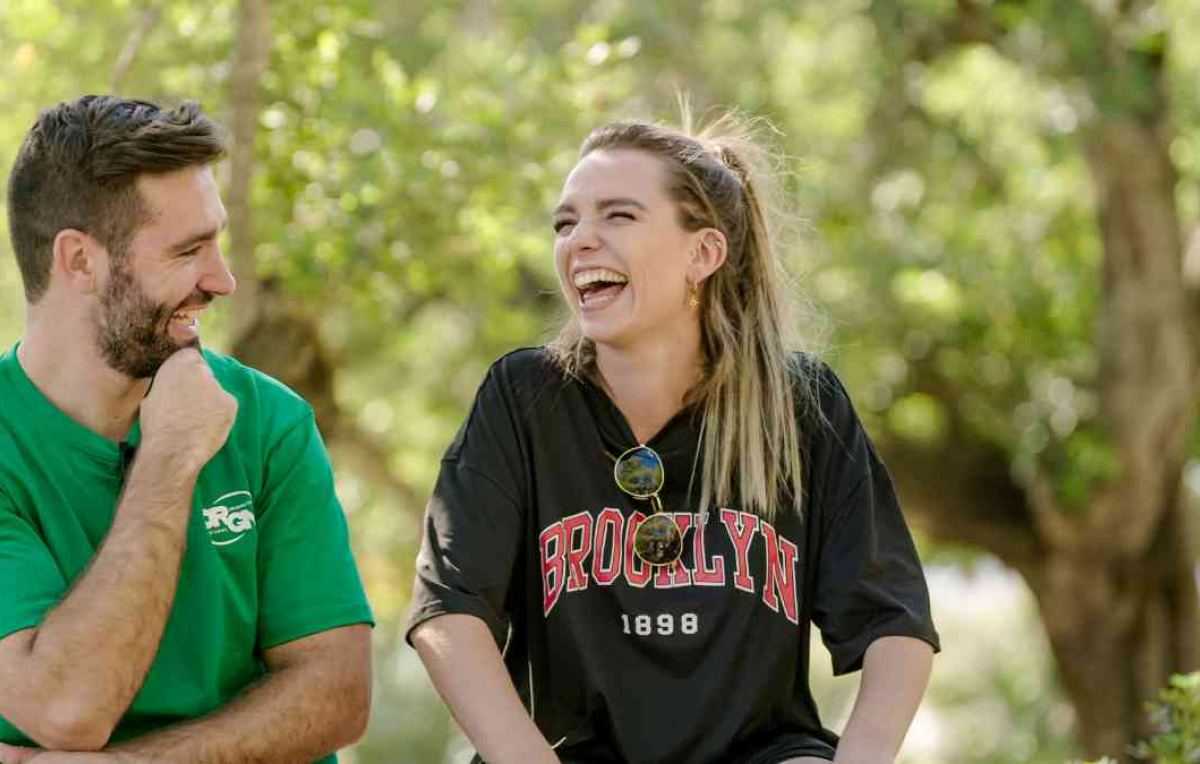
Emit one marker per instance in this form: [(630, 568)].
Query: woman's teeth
[(594, 284)]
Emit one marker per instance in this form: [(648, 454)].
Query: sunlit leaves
[(919, 419), (409, 153)]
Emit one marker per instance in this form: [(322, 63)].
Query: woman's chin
[(606, 333)]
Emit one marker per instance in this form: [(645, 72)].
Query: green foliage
[(409, 154), (1176, 715)]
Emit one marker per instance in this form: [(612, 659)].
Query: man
[(176, 582)]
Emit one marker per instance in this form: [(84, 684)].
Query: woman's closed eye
[(562, 225)]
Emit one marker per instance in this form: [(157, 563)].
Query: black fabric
[(520, 531)]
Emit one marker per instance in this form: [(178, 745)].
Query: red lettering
[(553, 565), (702, 574), (741, 527), (781, 573), (610, 533), (578, 530), (676, 574), (637, 571)]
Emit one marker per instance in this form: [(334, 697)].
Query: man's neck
[(71, 374), (649, 382)]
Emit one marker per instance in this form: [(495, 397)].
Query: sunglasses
[(639, 472)]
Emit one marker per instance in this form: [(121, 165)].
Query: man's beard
[(133, 329)]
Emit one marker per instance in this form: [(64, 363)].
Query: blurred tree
[(1093, 517), (998, 194)]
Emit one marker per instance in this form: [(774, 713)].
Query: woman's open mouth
[(598, 287)]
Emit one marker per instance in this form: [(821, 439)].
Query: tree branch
[(963, 494), (133, 44), (971, 23)]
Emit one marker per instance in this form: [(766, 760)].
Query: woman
[(647, 514)]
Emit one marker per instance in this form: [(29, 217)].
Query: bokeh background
[(997, 204)]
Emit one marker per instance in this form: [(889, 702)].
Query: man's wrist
[(168, 465)]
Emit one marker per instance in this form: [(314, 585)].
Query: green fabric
[(249, 581)]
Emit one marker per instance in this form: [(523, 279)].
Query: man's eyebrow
[(199, 237)]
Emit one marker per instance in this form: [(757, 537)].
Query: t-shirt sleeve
[(869, 580), (308, 581), (33, 583), (473, 520)]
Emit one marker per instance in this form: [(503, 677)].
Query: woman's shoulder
[(526, 367), (525, 379), (823, 404)]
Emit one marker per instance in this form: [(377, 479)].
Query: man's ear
[(708, 254), (77, 258)]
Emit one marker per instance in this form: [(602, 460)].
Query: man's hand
[(187, 416)]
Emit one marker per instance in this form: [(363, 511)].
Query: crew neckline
[(676, 434)]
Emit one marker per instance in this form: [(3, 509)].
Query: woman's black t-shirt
[(705, 661)]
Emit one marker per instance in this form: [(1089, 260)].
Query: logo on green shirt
[(230, 517)]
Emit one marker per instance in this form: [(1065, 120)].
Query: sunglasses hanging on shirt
[(639, 472)]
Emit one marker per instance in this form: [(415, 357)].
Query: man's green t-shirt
[(268, 557)]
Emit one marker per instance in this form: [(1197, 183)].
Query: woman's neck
[(649, 383)]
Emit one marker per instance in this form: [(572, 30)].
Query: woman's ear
[(75, 256), (708, 254)]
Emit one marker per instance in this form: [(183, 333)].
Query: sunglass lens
[(639, 472), (658, 540)]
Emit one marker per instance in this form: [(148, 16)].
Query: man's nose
[(217, 277)]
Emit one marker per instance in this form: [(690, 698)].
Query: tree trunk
[(1118, 594), (1118, 631), (250, 56)]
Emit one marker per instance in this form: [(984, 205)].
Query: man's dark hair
[(78, 167)]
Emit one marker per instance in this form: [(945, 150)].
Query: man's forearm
[(895, 673), (296, 713), (81, 667)]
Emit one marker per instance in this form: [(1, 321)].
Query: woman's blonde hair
[(751, 387)]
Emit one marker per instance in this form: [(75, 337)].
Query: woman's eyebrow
[(603, 204)]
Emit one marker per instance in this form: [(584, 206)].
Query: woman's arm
[(895, 672), (466, 668)]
